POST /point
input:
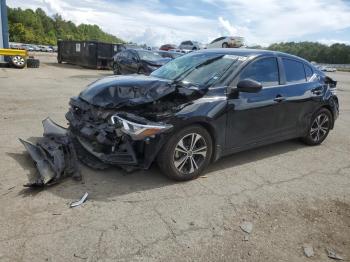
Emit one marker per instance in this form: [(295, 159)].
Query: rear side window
[(308, 72), (264, 71), (294, 71)]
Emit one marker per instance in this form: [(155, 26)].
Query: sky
[(157, 22)]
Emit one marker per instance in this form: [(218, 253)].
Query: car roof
[(249, 52)]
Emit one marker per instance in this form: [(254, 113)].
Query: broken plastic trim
[(53, 154), (139, 131)]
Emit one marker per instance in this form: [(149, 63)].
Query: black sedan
[(137, 61), (198, 108)]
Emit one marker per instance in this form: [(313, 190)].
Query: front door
[(254, 117)]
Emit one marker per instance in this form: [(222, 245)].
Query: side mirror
[(249, 86)]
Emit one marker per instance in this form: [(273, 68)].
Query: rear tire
[(18, 61), (186, 154), (319, 127), (224, 45)]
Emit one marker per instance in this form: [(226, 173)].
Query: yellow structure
[(13, 52)]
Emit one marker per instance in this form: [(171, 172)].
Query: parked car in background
[(189, 45), (227, 42), (54, 48), (170, 54), (27, 47), (35, 48), (44, 48), (329, 69), (138, 61), (167, 47)]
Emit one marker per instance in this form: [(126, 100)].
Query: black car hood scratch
[(118, 91)]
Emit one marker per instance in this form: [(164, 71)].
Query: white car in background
[(226, 42), (190, 45), (329, 69)]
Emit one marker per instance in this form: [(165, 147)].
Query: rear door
[(301, 95)]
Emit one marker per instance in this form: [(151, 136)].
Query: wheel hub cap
[(190, 153), (319, 127)]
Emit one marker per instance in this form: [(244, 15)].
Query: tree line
[(312, 51), (35, 27)]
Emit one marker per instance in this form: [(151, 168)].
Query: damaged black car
[(194, 110), (137, 61)]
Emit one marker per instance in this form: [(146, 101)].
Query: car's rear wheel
[(186, 154), (319, 127), (224, 45)]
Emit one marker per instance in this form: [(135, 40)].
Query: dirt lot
[(292, 194)]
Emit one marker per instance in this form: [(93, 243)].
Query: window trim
[(312, 71), (284, 70), (235, 82)]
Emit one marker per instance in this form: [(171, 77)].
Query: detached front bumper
[(53, 154)]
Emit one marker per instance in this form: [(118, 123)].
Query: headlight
[(139, 131)]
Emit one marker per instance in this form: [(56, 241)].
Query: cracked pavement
[(293, 194)]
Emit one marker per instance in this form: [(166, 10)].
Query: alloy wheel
[(190, 153), (320, 127), (18, 60)]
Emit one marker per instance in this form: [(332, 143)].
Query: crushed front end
[(104, 137), (117, 121)]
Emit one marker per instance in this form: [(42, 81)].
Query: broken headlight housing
[(138, 128)]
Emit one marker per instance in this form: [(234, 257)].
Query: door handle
[(279, 98)]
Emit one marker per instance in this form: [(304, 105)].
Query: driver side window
[(264, 70)]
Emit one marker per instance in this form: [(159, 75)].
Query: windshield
[(198, 68), (147, 55)]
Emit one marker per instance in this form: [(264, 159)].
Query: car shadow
[(107, 184), (256, 154)]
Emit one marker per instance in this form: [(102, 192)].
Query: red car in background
[(167, 47)]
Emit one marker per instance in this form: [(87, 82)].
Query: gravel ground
[(292, 194)]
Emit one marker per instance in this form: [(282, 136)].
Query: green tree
[(36, 27)]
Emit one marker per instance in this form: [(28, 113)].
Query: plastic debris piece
[(81, 201), (333, 254), (246, 227), (308, 251)]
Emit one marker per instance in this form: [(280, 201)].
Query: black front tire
[(224, 45), (167, 157), (319, 127), (116, 69)]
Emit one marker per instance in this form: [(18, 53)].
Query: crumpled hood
[(118, 91)]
